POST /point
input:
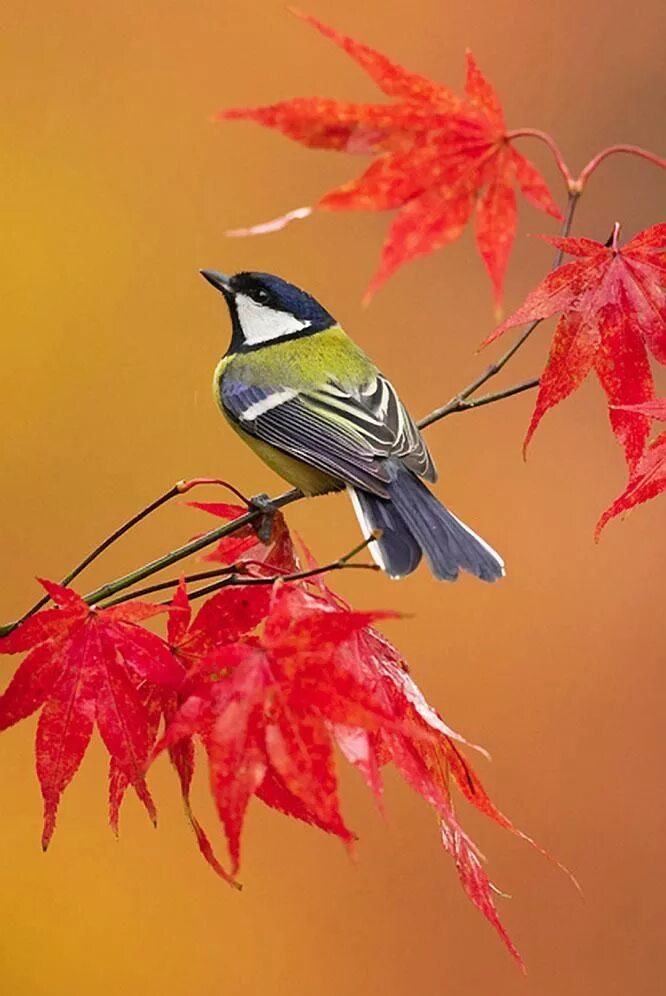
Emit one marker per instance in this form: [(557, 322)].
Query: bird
[(316, 409)]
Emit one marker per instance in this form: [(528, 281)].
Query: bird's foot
[(267, 509)]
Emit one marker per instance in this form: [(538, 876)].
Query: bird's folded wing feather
[(348, 436), (379, 415)]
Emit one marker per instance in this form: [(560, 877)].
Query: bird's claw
[(267, 509)]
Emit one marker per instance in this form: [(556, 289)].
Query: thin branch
[(455, 404), (179, 488), (196, 482), (127, 580), (548, 140), (173, 583), (173, 492), (236, 574), (488, 399), (632, 150), (343, 563)]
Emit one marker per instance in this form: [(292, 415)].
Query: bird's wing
[(378, 414), (347, 436)]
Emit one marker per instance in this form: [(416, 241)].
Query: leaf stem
[(632, 150), (548, 140)]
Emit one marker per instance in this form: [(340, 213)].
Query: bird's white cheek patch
[(260, 323)]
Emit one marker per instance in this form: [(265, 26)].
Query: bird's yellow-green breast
[(301, 364)]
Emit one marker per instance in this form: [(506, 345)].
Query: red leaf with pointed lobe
[(149, 717), (66, 722), (475, 881), (300, 749), (221, 620), (437, 155), (224, 617), (358, 747), (482, 96), (392, 79), (428, 222), (612, 301), (235, 746), (84, 669), (274, 793), (270, 708), (648, 478), (496, 219), (246, 546), (180, 615)]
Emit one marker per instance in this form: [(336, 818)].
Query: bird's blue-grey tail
[(412, 521)]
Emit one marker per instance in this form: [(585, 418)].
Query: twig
[(343, 563), (235, 575), (487, 399), (455, 403), (173, 583), (173, 492), (128, 580), (632, 150), (111, 588), (179, 488)]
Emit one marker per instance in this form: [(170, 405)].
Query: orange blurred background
[(117, 187)]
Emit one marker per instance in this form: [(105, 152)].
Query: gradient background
[(116, 189)]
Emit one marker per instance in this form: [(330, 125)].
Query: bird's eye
[(261, 295)]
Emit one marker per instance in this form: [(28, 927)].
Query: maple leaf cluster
[(273, 678), (439, 159), (612, 301)]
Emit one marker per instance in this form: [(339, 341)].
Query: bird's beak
[(220, 281)]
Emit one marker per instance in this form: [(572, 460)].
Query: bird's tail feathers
[(413, 521)]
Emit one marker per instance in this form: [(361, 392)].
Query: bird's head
[(265, 308)]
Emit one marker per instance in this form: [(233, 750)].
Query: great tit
[(317, 410)]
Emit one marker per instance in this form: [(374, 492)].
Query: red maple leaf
[(224, 618), (246, 546), (269, 709), (612, 299), (261, 706), (648, 477), (439, 158), (88, 667)]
